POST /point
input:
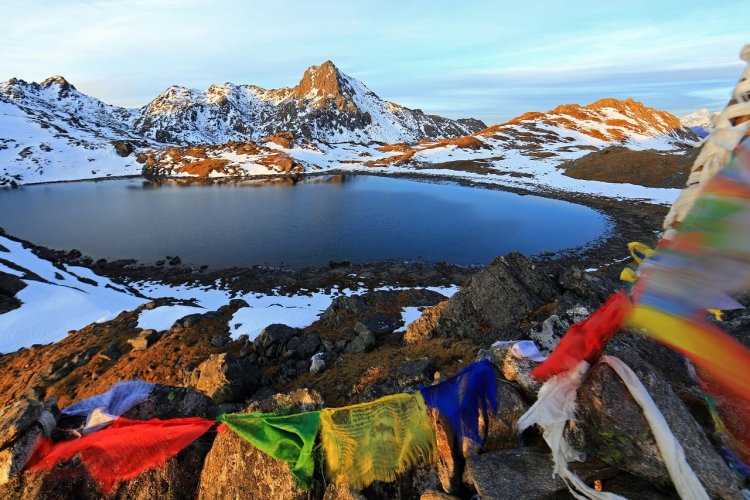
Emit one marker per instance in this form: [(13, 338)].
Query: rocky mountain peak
[(323, 84), (59, 81)]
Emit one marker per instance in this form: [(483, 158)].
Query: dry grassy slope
[(644, 168), (180, 349)]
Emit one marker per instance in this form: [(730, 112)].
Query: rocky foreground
[(354, 353)]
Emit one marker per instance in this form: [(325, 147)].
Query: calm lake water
[(356, 218)]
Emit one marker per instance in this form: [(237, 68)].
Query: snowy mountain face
[(700, 121), (326, 106), (51, 131), (532, 152)]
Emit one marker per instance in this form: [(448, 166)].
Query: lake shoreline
[(627, 221)]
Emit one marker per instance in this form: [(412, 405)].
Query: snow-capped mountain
[(51, 131), (326, 105), (700, 121)]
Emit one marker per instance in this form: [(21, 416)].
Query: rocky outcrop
[(22, 426), (236, 469), (610, 425), (526, 474), (511, 299), (492, 305), (225, 378)]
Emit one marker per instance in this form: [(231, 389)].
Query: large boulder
[(236, 469), (225, 378), (502, 432), (611, 426), (524, 473), (22, 426), (492, 305)]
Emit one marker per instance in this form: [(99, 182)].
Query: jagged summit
[(607, 119), (57, 80), (324, 82), (326, 105)]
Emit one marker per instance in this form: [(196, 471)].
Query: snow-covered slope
[(52, 132), (700, 121), (56, 298)]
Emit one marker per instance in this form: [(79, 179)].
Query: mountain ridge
[(50, 131), (326, 105)]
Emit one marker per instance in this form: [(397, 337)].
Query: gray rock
[(123, 148), (318, 363), (491, 305), (524, 474), (378, 324), (226, 379), (550, 333), (274, 335), (16, 418), (309, 344), (293, 344), (416, 372), (144, 340), (351, 305), (190, 320), (666, 362), (515, 369), (503, 433), (220, 341), (610, 425), (60, 368), (15, 456), (582, 284), (365, 341), (167, 402), (577, 313), (111, 353), (22, 426)]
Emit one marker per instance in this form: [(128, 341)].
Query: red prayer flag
[(125, 449), (586, 340)]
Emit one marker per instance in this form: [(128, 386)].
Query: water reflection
[(271, 181), (324, 218)]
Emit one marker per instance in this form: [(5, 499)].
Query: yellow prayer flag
[(376, 441), (640, 251), (628, 275)]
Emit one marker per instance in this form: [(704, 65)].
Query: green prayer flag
[(289, 438)]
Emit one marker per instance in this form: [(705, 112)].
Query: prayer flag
[(289, 438), (462, 398), (125, 449), (376, 441)]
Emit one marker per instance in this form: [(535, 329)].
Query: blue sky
[(489, 60)]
